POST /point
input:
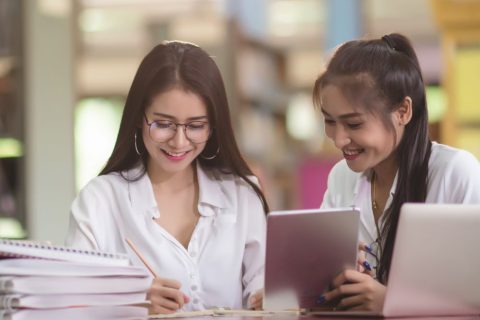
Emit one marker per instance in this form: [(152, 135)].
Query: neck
[(385, 172), (172, 182)]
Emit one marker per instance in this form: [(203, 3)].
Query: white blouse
[(453, 174), (224, 261)]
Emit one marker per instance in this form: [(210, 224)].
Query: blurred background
[(66, 67)]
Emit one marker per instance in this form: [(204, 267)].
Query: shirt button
[(194, 288), (192, 275)]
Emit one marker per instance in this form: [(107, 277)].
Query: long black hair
[(378, 75), (187, 66)]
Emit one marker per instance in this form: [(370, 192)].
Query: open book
[(30, 249)]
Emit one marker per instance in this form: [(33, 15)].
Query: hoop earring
[(136, 146), (212, 156)]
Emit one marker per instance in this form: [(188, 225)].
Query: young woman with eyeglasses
[(372, 97), (177, 186)]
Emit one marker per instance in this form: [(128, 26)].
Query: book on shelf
[(31, 249)]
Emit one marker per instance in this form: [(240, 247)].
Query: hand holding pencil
[(164, 294)]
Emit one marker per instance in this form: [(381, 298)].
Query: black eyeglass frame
[(184, 125)]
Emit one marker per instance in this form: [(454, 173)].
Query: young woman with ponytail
[(372, 97)]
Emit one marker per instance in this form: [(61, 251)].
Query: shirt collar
[(363, 177), (211, 191), (366, 176), (140, 191), (211, 188)]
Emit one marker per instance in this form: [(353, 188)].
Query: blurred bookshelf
[(12, 168), (459, 23)]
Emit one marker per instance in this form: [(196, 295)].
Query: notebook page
[(30, 249)]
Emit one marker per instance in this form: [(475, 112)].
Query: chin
[(357, 168)]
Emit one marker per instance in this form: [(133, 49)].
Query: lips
[(175, 156), (352, 154)]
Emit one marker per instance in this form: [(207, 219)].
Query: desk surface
[(305, 317)]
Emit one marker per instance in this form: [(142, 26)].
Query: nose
[(180, 138), (341, 137)]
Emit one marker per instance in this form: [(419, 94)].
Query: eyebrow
[(174, 118), (344, 116)]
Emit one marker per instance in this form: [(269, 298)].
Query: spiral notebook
[(36, 250)]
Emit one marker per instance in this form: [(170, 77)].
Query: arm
[(254, 255), (82, 226)]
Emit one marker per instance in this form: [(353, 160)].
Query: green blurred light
[(437, 103), (12, 229), (10, 148)]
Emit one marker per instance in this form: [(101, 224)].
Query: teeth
[(173, 154), (351, 152)]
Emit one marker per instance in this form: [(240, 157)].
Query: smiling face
[(176, 154), (361, 135)]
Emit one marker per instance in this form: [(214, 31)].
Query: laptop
[(436, 261), (305, 250), (435, 268)]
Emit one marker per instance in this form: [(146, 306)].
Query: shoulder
[(230, 182), (446, 160), (104, 183), (110, 186), (454, 175), (227, 190)]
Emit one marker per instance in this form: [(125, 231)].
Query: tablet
[(305, 250)]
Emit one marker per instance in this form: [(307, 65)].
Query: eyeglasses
[(164, 130)]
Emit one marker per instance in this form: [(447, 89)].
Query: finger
[(348, 275), (165, 304), (257, 305), (360, 267), (159, 310), (165, 282), (186, 298), (344, 290), (363, 248), (256, 301), (255, 297), (168, 293), (351, 302), (362, 245)]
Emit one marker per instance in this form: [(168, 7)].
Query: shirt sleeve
[(82, 226), (254, 256)]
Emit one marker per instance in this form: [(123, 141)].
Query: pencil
[(140, 256)]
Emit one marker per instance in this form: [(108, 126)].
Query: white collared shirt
[(224, 261), (453, 174)]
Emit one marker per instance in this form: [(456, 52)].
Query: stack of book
[(40, 281)]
